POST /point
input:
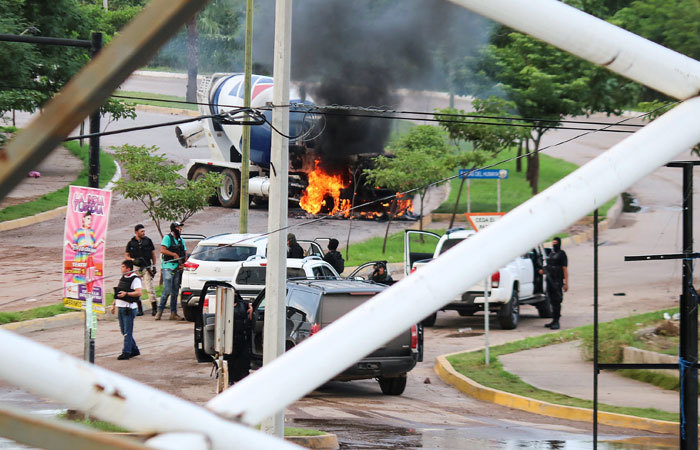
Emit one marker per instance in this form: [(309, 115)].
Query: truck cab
[(513, 285)]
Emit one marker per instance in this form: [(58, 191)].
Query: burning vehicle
[(322, 180)]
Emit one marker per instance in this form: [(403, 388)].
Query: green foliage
[(34, 313), (153, 180), (151, 95), (488, 138), (369, 250), (60, 197), (514, 190)]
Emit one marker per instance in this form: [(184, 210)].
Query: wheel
[(465, 313), (189, 312), (392, 386), (201, 172), (430, 320), (230, 191), (544, 308), (509, 314)]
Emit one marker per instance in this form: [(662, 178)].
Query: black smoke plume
[(359, 52)]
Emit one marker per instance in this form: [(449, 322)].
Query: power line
[(379, 200)]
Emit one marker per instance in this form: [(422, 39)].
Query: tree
[(462, 127), (548, 84), (153, 180), (419, 158)]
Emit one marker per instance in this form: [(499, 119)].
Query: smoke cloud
[(359, 52)]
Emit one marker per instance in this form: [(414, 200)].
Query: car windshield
[(222, 253), (256, 275), (449, 243)]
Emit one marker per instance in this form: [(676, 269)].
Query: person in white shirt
[(126, 295)]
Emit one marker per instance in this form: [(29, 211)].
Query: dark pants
[(126, 326), (239, 364), (556, 295)]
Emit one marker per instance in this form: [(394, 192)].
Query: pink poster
[(84, 247)]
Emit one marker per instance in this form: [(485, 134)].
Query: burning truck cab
[(319, 181)]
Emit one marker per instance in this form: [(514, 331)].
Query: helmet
[(175, 225)]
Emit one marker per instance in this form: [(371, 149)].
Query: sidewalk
[(560, 368)]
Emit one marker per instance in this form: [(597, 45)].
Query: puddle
[(359, 435)]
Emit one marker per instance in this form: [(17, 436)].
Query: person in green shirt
[(173, 249)]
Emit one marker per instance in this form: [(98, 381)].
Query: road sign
[(484, 174), (479, 221)]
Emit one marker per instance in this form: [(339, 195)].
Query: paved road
[(428, 414)]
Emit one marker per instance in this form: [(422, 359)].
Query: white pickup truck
[(517, 283)]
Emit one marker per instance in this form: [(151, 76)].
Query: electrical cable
[(385, 198)]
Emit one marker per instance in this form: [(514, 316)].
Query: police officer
[(557, 274)]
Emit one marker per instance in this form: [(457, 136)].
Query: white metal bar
[(118, 399), (355, 335), (597, 41), (276, 276)]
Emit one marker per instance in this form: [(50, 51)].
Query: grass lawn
[(58, 308), (493, 376), (58, 198), (371, 249), (514, 190), (155, 102)]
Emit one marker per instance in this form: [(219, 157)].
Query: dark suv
[(314, 304)]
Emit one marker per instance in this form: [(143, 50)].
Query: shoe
[(174, 316), (136, 353), (554, 326), (159, 314), (140, 313), (154, 308), (123, 356), (548, 325)]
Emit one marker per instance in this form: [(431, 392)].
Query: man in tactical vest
[(173, 250), (557, 274), (125, 295), (142, 252), (333, 257)]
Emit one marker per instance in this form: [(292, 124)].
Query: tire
[(509, 314), (544, 308), (392, 386), (188, 312), (430, 320), (201, 172), (230, 190)]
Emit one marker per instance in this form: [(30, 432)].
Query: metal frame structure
[(113, 397)]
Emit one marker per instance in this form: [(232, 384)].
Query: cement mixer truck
[(223, 92)]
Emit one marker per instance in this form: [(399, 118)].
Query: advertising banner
[(84, 247)]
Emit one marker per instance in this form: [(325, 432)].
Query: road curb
[(325, 441), (52, 213), (473, 389), (45, 323), (166, 110)]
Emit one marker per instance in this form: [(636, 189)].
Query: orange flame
[(322, 187)]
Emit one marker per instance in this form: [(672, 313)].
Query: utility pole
[(275, 286), (94, 165), (245, 142)]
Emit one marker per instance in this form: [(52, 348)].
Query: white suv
[(249, 278), (219, 257)]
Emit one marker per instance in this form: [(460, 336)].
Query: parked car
[(248, 278), (515, 284), (312, 305), (221, 256)]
